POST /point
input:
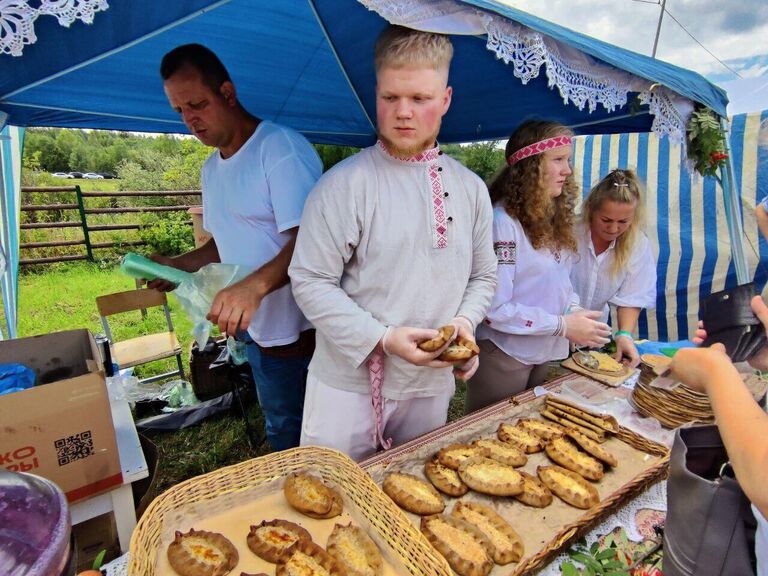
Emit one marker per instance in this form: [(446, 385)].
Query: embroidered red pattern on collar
[(439, 219)]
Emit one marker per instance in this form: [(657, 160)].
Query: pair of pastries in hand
[(564, 452), (570, 487), (413, 494), (506, 545), (461, 349), (202, 553), (310, 496), (445, 479), (490, 477), (524, 439), (467, 550)]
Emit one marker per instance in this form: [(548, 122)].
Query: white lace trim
[(579, 78), (17, 19)]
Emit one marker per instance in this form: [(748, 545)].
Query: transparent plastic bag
[(196, 294), (180, 395), (135, 391)]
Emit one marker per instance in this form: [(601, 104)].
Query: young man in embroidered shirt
[(394, 242), (254, 187)]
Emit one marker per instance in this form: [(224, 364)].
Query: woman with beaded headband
[(535, 312), (616, 265)]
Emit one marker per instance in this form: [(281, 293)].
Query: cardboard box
[(62, 428)]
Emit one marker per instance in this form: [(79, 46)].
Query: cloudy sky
[(734, 31)]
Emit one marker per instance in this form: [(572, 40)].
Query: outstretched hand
[(403, 341)]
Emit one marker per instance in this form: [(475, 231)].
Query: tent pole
[(733, 210)]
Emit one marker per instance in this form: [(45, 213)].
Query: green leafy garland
[(706, 144)]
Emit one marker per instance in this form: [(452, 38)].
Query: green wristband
[(622, 333)]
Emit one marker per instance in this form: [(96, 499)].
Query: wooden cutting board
[(613, 381)]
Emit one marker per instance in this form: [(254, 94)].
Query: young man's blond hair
[(400, 47)]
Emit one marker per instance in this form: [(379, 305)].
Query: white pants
[(344, 420)]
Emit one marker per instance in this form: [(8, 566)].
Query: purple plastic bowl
[(34, 526)]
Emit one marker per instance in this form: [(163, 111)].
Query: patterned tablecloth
[(631, 516)]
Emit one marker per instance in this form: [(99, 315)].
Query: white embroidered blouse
[(533, 292)]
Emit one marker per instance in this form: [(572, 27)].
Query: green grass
[(63, 297)]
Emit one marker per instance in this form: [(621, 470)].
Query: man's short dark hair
[(199, 57)]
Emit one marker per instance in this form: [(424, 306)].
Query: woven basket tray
[(391, 525), (553, 541)]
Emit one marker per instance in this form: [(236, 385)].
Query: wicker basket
[(392, 526)]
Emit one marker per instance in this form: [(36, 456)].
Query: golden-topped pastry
[(308, 559), (504, 452), (467, 550), (506, 545), (527, 441), (454, 454), (570, 487), (354, 551), (534, 493), (544, 430), (434, 344), (445, 479), (461, 349), (490, 477), (413, 494), (271, 540), (564, 452), (593, 448), (309, 495), (202, 553), (599, 362)]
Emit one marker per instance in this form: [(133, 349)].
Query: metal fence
[(75, 215)]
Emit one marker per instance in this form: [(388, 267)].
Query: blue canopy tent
[(308, 64)]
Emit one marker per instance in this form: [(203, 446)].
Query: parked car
[(76, 174), (106, 175), (61, 175), (93, 176)]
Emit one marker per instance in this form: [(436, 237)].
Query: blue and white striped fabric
[(11, 142), (685, 216)]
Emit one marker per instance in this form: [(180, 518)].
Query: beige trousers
[(500, 376)]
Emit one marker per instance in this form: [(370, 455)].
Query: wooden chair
[(142, 349)]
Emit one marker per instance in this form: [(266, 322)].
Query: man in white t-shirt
[(254, 188)]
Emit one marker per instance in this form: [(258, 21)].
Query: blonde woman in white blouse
[(534, 313), (615, 265)]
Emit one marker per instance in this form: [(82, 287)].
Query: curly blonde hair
[(548, 222), (624, 187)]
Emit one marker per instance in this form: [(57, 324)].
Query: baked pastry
[(413, 494), (490, 477), (534, 493), (445, 479), (460, 350), (453, 455), (527, 441), (599, 362), (271, 540), (564, 452), (607, 423), (592, 447), (354, 551), (572, 422), (434, 344), (570, 487), (202, 553), (504, 452), (506, 545), (309, 495), (544, 430), (467, 550), (307, 559), (656, 361)]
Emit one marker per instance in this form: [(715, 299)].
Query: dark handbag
[(710, 528), (728, 319)]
